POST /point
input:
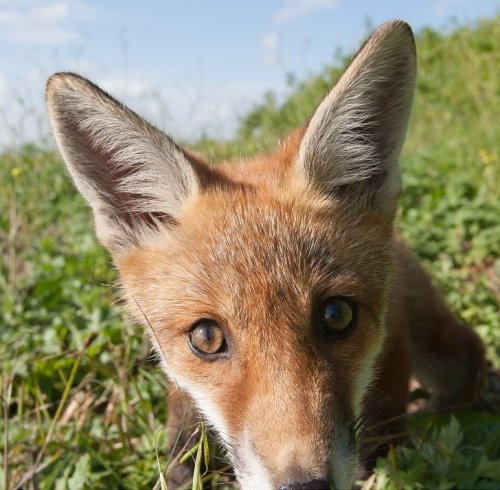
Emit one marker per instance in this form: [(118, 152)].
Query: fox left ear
[(352, 143)]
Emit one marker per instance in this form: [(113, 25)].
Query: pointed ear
[(352, 144), (133, 176)]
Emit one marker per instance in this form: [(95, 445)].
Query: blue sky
[(192, 65)]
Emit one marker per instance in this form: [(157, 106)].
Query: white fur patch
[(364, 378), (205, 403), (252, 474)]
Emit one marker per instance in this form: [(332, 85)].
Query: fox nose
[(311, 485)]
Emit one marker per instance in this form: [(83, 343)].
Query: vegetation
[(83, 403)]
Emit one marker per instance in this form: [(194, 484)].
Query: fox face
[(264, 284), (270, 317)]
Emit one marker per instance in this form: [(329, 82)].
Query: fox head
[(263, 283)]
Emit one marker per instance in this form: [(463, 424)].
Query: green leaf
[(81, 473), (450, 436), (197, 480), (489, 469)]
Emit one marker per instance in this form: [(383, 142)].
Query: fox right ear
[(351, 146), (133, 176)]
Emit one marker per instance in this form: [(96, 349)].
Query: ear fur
[(353, 141), (134, 176)]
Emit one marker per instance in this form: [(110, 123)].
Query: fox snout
[(300, 437), (298, 463)]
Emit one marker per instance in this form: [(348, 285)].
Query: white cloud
[(126, 89), (293, 9), (270, 43), (6, 16), (79, 66), (3, 89), (218, 113), (41, 35), (51, 13), (41, 22)]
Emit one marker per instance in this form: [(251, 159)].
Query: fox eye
[(207, 340), (337, 317)]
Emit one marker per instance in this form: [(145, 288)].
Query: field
[(83, 402)]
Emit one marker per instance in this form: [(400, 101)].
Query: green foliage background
[(83, 402)]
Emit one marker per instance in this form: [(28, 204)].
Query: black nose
[(310, 485)]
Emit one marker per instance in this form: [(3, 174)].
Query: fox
[(281, 300)]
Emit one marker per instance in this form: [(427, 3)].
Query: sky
[(191, 67)]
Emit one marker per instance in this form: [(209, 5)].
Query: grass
[(83, 404)]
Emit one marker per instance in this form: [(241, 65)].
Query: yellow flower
[(16, 171), (486, 157)]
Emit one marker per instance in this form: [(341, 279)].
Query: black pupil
[(207, 332), (207, 338), (332, 312)]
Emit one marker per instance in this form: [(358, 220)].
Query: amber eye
[(338, 316), (207, 340)]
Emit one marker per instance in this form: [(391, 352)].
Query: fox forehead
[(238, 254)]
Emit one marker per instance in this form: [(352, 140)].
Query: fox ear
[(352, 144), (133, 176)]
